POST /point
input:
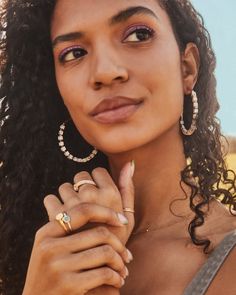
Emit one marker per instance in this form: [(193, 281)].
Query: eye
[(71, 53), (139, 34)]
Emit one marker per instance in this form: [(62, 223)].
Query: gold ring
[(64, 219), (127, 209), (81, 182)]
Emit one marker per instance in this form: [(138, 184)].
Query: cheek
[(73, 93), (164, 83), (71, 89)]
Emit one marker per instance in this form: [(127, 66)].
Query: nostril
[(97, 85), (119, 78)]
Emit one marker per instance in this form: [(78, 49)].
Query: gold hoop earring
[(193, 126), (67, 154)]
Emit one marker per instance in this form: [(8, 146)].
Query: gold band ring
[(64, 219), (127, 209), (81, 182)]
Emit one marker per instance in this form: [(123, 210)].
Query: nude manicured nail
[(122, 281), (132, 168), (126, 272), (122, 218), (130, 256)]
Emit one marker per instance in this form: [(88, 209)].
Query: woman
[(129, 81)]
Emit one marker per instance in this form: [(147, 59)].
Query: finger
[(84, 175), (91, 238), (97, 277), (82, 214), (68, 195), (126, 188), (102, 177), (53, 206), (110, 195), (92, 258)]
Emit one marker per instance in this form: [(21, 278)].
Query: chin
[(121, 144), (114, 149)]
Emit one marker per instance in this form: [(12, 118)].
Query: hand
[(74, 264), (106, 194)]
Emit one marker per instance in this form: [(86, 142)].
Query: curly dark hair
[(32, 110)]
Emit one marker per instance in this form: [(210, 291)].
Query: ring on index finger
[(128, 209), (81, 182)]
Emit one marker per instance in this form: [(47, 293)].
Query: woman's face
[(107, 50)]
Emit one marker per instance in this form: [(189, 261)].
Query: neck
[(156, 179)]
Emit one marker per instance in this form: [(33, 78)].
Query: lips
[(113, 110), (113, 103)]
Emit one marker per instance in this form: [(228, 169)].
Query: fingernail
[(126, 272), (122, 218), (130, 256), (122, 282), (132, 168)]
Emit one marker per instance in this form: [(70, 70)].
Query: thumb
[(126, 188)]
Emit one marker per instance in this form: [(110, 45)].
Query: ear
[(190, 67)]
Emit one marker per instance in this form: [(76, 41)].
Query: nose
[(107, 69)]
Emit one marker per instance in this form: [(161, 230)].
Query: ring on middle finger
[(81, 182)]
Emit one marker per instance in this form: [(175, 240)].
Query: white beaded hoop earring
[(193, 126), (67, 153)]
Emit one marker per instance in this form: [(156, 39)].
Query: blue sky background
[(219, 17)]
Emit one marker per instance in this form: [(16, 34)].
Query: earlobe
[(190, 67)]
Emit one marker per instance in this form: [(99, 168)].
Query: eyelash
[(71, 49), (129, 32), (139, 28)]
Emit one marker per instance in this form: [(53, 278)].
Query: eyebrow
[(120, 17)]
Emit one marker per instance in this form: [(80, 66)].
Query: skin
[(113, 66)]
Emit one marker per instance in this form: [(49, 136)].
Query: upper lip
[(111, 103)]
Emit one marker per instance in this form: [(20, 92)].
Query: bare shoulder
[(222, 223), (224, 281), (219, 222)]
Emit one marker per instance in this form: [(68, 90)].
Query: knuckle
[(108, 274), (87, 193), (40, 234), (103, 232), (46, 248), (84, 208), (108, 251)]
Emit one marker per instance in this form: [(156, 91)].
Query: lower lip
[(117, 115)]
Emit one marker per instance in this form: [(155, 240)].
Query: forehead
[(71, 15)]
